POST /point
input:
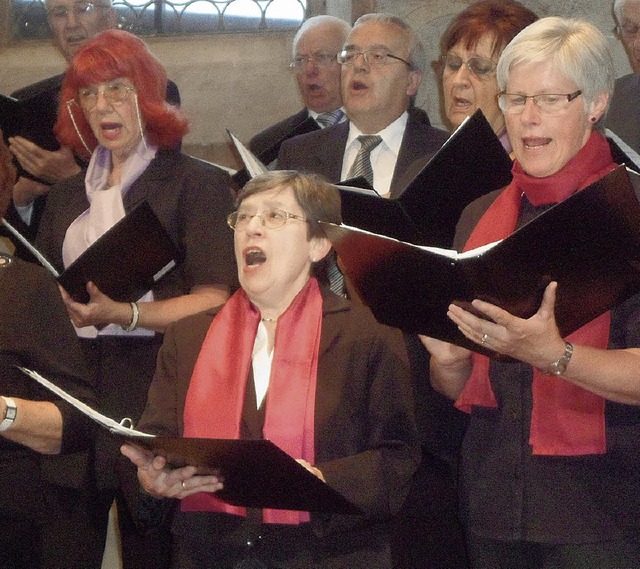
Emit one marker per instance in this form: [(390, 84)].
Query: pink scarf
[(216, 395), (566, 419)]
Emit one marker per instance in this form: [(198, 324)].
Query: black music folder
[(470, 164), (270, 153), (32, 118), (589, 244), (257, 473), (124, 263)]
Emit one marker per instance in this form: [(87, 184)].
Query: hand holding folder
[(589, 244), (124, 263), (257, 473)]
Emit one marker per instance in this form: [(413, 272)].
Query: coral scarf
[(566, 419), (215, 399)]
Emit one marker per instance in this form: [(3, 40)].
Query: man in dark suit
[(623, 117), (382, 67), (317, 72), (383, 64)]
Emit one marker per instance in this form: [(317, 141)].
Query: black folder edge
[(138, 231), (423, 213), (257, 473), (269, 154), (360, 267), (100, 262)]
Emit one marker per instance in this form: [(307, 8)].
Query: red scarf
[(216, 395), (566, 419)]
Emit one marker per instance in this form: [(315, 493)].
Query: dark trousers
[(494, 554), (427, 533)]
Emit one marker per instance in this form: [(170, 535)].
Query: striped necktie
[(362, 164), (329, 119)]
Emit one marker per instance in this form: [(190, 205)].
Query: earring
[(139, 116), (594, 119)]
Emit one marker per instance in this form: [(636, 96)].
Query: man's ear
[(415, 78)]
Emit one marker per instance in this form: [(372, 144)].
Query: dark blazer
[(322, 151), (365, 433), (44, 490), (623, 117), (271, 135), (190, 197)]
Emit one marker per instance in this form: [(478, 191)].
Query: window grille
[(176, 17)]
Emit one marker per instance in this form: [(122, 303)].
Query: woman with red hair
[(113, 108)]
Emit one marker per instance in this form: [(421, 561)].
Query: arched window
[(176, 17)]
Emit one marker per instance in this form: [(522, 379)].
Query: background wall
[(241, 82)]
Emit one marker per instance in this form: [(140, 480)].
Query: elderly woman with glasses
[(550, 465), (289, 361), (471, 46), (113, 108)]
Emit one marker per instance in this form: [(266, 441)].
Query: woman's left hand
[(98, 311), (534, 340)]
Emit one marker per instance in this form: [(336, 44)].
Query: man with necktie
[(317, 72)]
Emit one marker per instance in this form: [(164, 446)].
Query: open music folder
[(589, 244), (257, 473), (124, 263), (471, 163)]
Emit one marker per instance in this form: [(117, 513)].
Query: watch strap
[(559, 366)]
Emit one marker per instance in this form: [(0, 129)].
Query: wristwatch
[(560, 366), (10, 415)]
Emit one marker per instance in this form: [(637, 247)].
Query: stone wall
[(241, 82)]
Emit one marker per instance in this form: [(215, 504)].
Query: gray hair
[(330, 23), (618, 7), (417, 58), (576, 48)]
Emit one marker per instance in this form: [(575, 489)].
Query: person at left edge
[(288, 360), (72, 23), (44, 442), (113, 107)]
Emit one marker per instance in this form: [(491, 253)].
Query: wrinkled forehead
[(631, 12), (370, 35)]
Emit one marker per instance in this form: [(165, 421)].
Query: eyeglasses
[(373, 57), (546, 103), (79, 9), (272, 218), (479, 66), (113, 93), (319, 59)]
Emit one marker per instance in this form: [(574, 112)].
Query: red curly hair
[(115, 54), (7, 176)]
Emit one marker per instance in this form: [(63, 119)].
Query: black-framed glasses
[(373, 57), (272, 218), (319, 59), (479, 66), (113, 93), (79, 9), (546, 103)]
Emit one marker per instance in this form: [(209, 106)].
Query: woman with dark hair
[(113, 107), (287, 360), (471, 46), (44, 496)]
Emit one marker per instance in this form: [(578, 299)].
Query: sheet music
[(113, 426), (46, 264), (251, 162)]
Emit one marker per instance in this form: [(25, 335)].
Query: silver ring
[(184, 487), (485, 337)]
